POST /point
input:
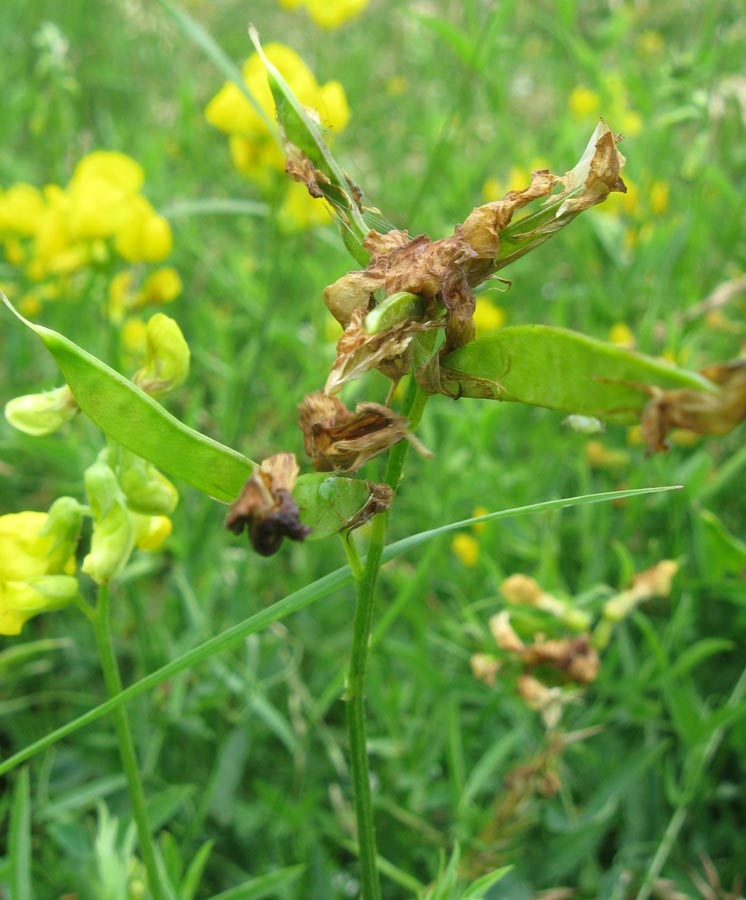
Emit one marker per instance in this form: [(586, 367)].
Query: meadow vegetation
[(562, 692)]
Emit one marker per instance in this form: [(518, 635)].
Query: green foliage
[(440, 104)]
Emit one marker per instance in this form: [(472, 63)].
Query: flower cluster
[(98, 220), (254, 148), (128, 500), (550, 669), (328, 13)]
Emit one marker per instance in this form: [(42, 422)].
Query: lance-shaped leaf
[(310, 161), (132, 418), (563, 370)]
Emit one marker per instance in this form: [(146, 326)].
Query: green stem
[(414, 404), (102, 626)]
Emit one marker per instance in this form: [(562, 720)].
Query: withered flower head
[(337, 439), (445, 272), (266, 507), (699, 411)]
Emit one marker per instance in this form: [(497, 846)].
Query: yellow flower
[(161, 286), (333, 13), (584, 103), (658, 198), (143, 235), (621, 335), (253, 147), (21, 208), (300, 210), (33, 567), (479, 527), (150, 531), (100, 192), (466, 548), (133, 336), (599, 456), (488, 316)]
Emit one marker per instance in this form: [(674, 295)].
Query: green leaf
[(477, 889), (132, 418), (19, 840), (301, 130), (561, 369)]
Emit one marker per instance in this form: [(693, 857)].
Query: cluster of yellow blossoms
[(328, 13), (101, 217), (254, 147), (129, 500)]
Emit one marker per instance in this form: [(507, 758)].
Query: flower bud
[(167, 361), (62, 528), (147, 490), (40, 414), (113, 536)]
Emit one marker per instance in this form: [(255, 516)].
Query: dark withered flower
[(266, 508)]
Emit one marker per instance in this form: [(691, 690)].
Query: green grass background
[(248, 749)]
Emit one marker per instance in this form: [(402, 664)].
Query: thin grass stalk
[(367, 581), (102, 627)]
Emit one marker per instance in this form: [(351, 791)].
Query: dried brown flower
[(337, 439), (266, 508)]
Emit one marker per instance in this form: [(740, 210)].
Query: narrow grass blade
[(19, 840), (192, 29), (289, 605), (262, 887)]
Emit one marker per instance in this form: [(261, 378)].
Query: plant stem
[(414, 404), (102, 626)]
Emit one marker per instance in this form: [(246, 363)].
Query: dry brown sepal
[(266, 508), (698, 411), (337, 439), (359, 352), (446, 271), (379, 500)]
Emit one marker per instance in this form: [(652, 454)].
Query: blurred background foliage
[(451, 103)]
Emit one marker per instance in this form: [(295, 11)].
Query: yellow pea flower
[(253, 147), (488, 316), (466, 548), (35, 566), (300, 210), (161, 286), (40, 414), (333, 13), (143, 235), (100, 192), (113, 537), (584, 102), (21, 207), (621, 335)]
